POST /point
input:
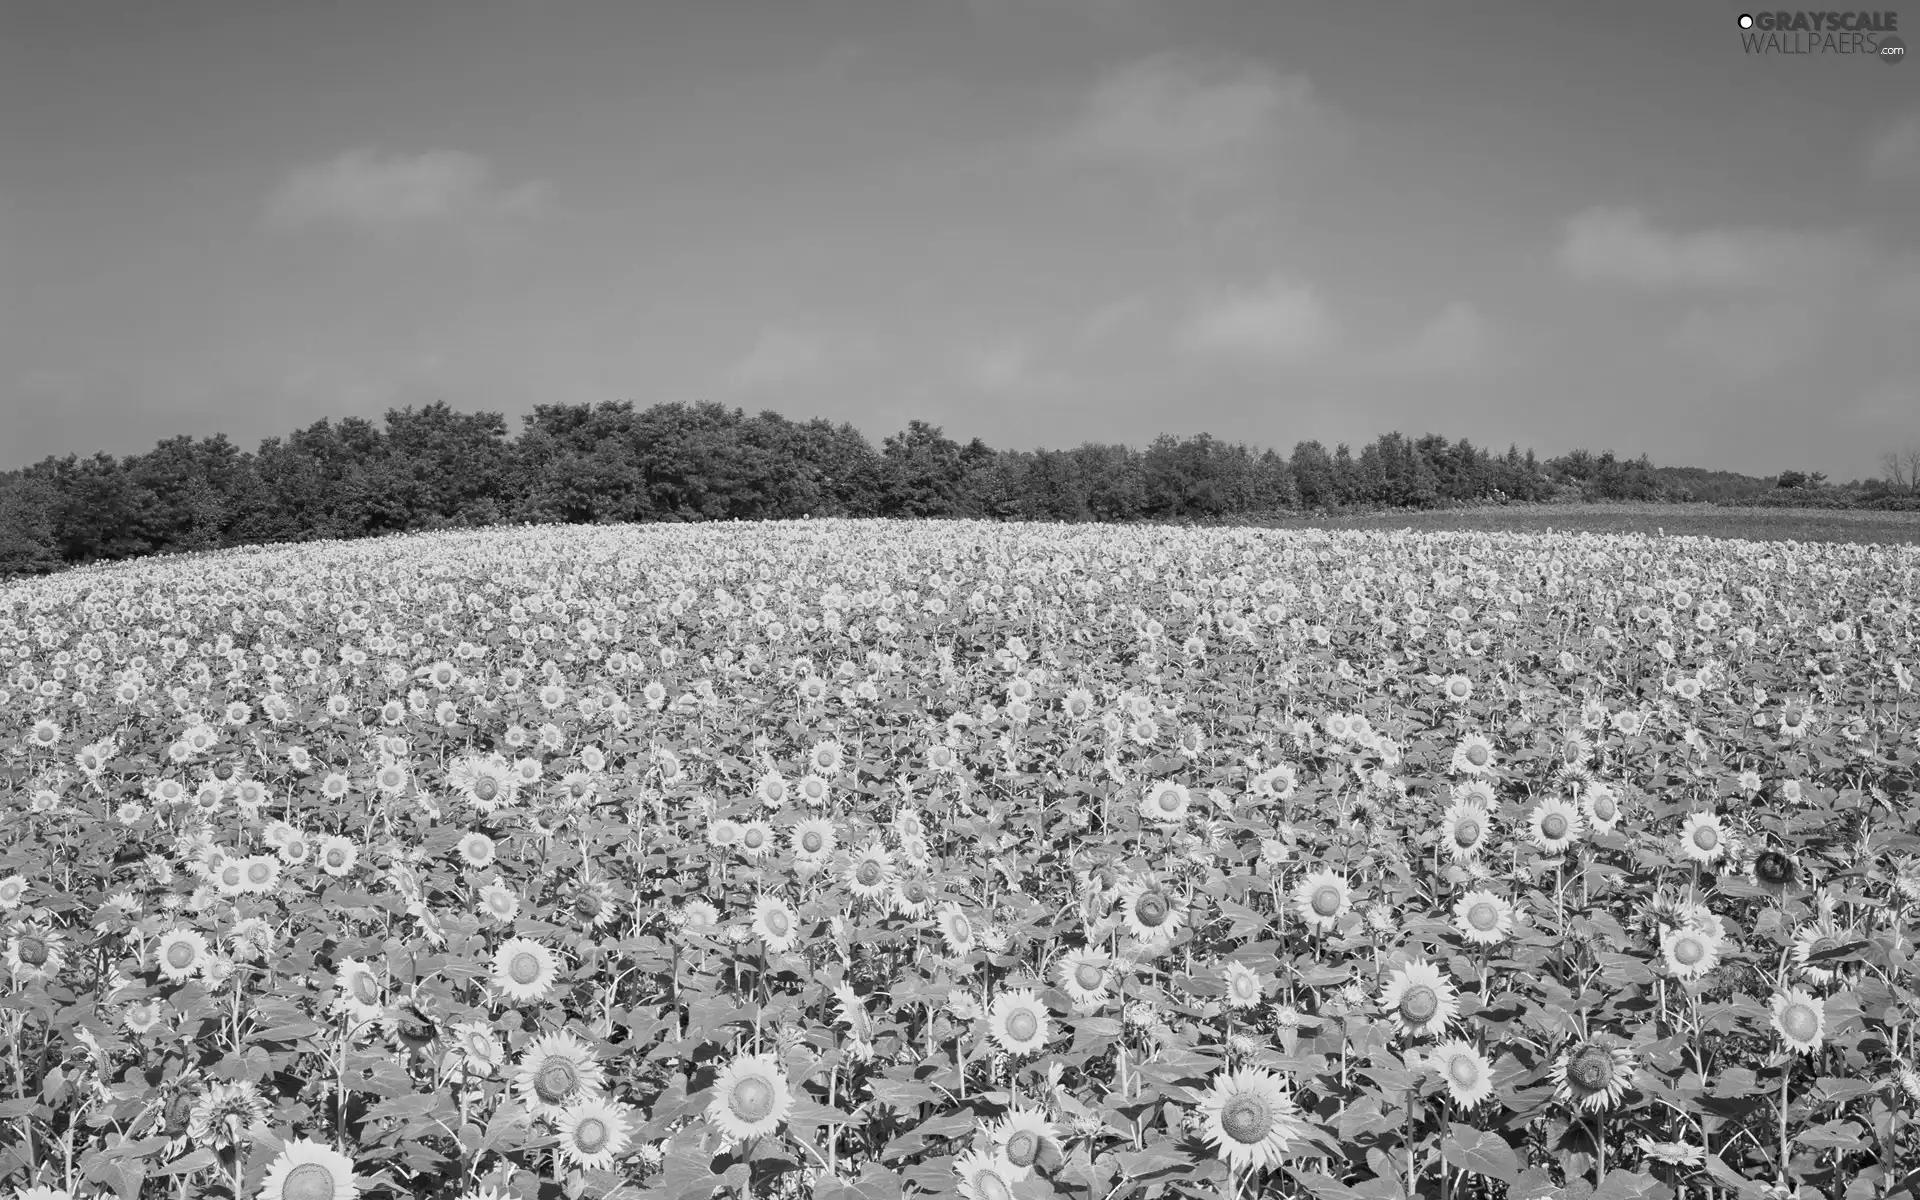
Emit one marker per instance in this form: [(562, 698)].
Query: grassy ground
[(1690, 520)]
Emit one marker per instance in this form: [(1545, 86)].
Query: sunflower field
[(860, 860)]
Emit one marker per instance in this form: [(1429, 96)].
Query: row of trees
[(434, 467)]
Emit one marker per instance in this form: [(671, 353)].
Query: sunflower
[(225, 1114), (359, 991), (699, 914), (1554, 825), (853, 1012), (985, 1176), (309, 1170), (477, 849), (1600, 806), (1017, 1022), (555, 1071), (1690, 953), (1593, 1074), (1483, 918), (1151, 911), (812, 840), (591, 903), (751, 1097), (1703, 838), (775, 924), (337, 855), (33, 952), (295, 849), (1166, 802), (756, 839), (1244, 986), (182, 953), (1458, 689), (1020, 1136), (1773, 872), (498, 901), (870, 875), (1800, 1018), (229, 875), (956, 929), (912, 897), (1083, 976), (524, 970), (1322, 899), (1465, 1070), (1248, 1115), (486, 782), (1473, 756), (260, 873), (250, 940), (593, 1133), (475, 1048), (1419, 999), (1811, 939), (771, 790), (1464, 830)]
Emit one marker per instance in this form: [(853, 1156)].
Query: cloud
[(1894, 153), (1457, 340), (1193, 114), (781, 356), (366, 188), (1280, 322), (1619, 245), (1008, 368), (1749, 341)]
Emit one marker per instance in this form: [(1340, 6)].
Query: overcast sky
[(1039, 222)]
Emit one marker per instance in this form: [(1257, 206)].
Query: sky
[(1038, 222)]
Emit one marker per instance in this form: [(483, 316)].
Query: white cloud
[(1280, 322), (1171, 110), (1009, 368), (1894, 153), (1749, 342), (782, 356), (1619, 245), (364, 187), (1457, 340)]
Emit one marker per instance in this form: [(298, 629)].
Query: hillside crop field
[(856, 860), (1756, 523)]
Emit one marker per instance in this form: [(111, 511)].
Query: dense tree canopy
[(434, 467)]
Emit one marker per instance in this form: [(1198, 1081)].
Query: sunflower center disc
[(989, 1186), (1087, 976), (590, 1135), (308, 1181), (486, 789), (1326, 901), (1689, 951), (180, 956), (1792, 716), (1151, 909), (1603, 808), (33, 950), (230, 876), (1477, 755), (812, 842), (1420, 1004), (1706, 837), (524, 967), (754, 839), (587, 905), (869, 873), (752, 1099), (1774, 867), (1591, 1069), (1169, 802), (556, 1080), (1463, 1071), (1023, 1025), (1023, 1147), (336, 859), (1800, 1021), (259, 872), (1245, 987), (962, 929), (1554, 826), (1466, 833), (1246, 1118), (1483, 916), (778, 923)]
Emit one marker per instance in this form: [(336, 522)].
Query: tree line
[(437, 468)]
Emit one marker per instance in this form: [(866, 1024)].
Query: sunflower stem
[(1786, 1074)]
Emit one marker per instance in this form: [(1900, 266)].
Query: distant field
[(1692, 520)]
